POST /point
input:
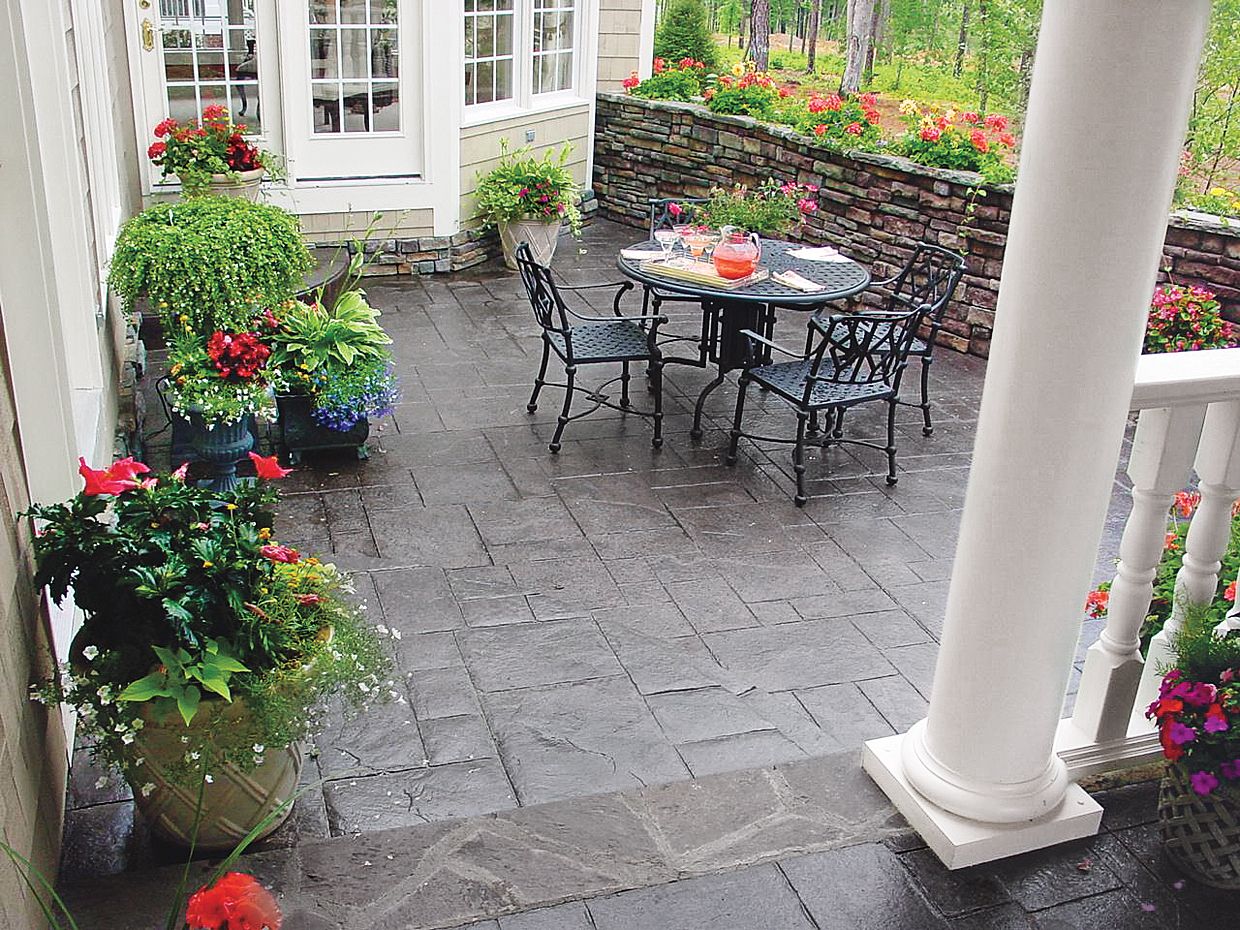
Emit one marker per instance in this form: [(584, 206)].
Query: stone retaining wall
[(875, 207)]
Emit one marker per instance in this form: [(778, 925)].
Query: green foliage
[(209, 262), (1197, 651), (685, 33), (670, 84), (752, 94), (522, 187), (189, 605), (1219, 201), (836, 122), (958, 141), (1214, 124), (770, 209), (311, 336)]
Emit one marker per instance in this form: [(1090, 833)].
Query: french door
[(333, 85)]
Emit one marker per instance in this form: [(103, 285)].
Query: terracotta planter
[(300, 432), (243, 184), (542, 235), (233, 803)]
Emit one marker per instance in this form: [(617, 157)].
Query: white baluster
[(1218, 468), (1162, 454)]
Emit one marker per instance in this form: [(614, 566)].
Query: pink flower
[(868, 100), (181, 473), (281, 554), (931, 134), (675, 210), (969, 118), (1179, 733), (833, 102), (631, 81), (996, 122), (1203, 782), (807, 205), (854, 129)]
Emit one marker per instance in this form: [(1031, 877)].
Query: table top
[(842, 279)]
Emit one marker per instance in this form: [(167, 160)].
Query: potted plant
[(1198, 718), (529, 198), (208, 648), (207, 263), (336, 371), (770, 209), (220, 385), (211, 155)]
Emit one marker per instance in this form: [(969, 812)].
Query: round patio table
[(726, 313)]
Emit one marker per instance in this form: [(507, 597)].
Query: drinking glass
[(667, 239)]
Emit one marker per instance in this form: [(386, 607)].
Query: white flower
[(208, 779), (141, 760), (91, 652), (395, 633), (363, 687), (101, 782), (194, 755), (259, 747), (381, 630), (147, 789), (138, 723), (127, 738)]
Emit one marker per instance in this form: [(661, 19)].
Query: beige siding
[(32, 746), (619, 39), (480, 146), (397, 224)]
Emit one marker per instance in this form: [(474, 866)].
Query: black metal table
[(725, 313)]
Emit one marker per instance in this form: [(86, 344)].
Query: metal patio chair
[(928, 280), (850, 361), (578, 339)]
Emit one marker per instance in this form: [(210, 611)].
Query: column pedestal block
[(960, 842)]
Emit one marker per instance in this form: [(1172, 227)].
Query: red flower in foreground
[(268, 468), (280, 553), (121, 476), (1230, 592), (236, 902), (237, 354), (1096, 604), (156, 150), (165, 127)]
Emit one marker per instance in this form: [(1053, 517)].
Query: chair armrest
[(644, 318), (750, 334)]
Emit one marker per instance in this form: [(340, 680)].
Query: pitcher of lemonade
[(737, 254)]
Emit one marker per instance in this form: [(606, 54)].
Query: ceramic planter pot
[(233, 803), (221, 446), (244, 184), (542, 235), (300, 432)]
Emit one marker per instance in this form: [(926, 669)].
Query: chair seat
[(917, 347), (604, 342), (788, 380)]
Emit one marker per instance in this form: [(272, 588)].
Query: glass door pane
[(211, 56), (355, 66)]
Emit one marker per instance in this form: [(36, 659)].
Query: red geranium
[(239, 355), (236, 902), (280, 553), (197, 149)]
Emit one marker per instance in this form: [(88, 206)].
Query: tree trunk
[(876, 27), (860, 38), (962, 43), (760, 34), (983, 57), (815, 23)]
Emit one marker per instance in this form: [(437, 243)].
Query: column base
[(960, 842)]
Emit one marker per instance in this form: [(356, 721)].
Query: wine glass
[(667, 239)]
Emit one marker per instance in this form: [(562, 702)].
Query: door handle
[(148, 35)]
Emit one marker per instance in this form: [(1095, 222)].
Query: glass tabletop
[(840, 279)]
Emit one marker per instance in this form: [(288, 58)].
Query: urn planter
[(221, 446), (244, 184), (300, 432), (542, 235)]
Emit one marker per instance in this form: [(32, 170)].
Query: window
[(519, 50), (212, 60), (355, 66)]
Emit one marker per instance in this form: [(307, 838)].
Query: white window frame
[(524, 100)]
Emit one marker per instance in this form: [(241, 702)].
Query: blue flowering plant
[(336, 352)]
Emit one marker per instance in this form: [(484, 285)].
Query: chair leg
[(928, 427), (891, 442), (656, 382), (735, 436), (798, 459), (838, 430), (624, 387), (570, 373), (813, 423), (541, 379)]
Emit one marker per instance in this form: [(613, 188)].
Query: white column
[(1107, 115), (1162, 456)]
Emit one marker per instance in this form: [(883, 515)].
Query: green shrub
[(685, 33), (671, 84), (752, 94)]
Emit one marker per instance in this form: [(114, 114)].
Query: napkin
[(797, 282), (821, 254), (640, 255)]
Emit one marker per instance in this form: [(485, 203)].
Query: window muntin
[(490, 52), (354, 66), (554, 32), (211, 57)]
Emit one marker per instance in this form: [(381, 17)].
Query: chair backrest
[(927, 282), (545, 299), (661, 213), (863, 348)]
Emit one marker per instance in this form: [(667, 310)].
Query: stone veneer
[(875, 207)]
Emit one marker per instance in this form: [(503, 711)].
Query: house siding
[(619, 41)]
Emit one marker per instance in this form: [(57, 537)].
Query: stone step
[(450, 873)]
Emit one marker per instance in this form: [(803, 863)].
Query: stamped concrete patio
[(602, 623)]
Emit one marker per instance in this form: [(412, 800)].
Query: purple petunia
[(1215, 723), (1203, 782), (1230, 770), (1181, 734)]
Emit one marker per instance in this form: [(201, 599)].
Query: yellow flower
[(230, 506), (163, 303), (264, 533), (738, 69), (1219, 192), (208, 564), (950, 115), (909, 107)]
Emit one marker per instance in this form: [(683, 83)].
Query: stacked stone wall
[(876, 208)]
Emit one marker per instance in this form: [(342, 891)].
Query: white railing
[(1189, 422)]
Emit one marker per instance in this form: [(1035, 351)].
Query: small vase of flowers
[(770, 209), (209, 649), (211, 155), (529, 198)]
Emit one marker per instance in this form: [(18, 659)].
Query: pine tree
[(685, 33)]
